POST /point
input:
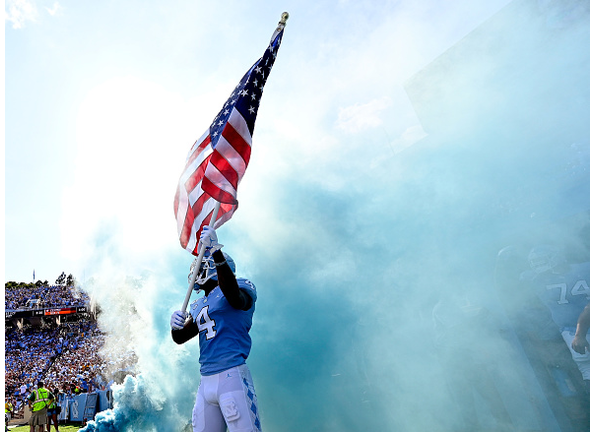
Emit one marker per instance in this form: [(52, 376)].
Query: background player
[(581, 342), (222, 319), (542, 294), (564, 289)]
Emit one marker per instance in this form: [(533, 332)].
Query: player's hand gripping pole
[(213, 219)]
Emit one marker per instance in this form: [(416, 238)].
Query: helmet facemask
[(208, 270)]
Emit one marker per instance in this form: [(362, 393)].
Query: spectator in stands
[(58, 353), (52, 296)]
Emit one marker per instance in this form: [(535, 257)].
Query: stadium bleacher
[(52, 335)]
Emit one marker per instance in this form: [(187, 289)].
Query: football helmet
[(208, 270), (544, 258)]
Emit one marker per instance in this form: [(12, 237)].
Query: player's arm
[(579, 342), (237, 298), (182, 328)]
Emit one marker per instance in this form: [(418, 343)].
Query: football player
[(564, 289), (580, 342), (221, 319)]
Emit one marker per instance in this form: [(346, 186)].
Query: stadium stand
[(51, 334)]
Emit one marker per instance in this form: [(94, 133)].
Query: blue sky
[(103, 100)]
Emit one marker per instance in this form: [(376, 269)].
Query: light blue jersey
[(565, 294), (224, 331)]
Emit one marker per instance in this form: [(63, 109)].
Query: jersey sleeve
[(247, 286)]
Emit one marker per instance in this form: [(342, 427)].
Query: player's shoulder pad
[(581, 269), (248, 286)]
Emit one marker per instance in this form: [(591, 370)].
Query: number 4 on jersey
[(205, 323)]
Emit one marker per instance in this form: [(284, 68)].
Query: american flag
[(217, 161)]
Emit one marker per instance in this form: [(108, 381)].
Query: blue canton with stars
[(246, 96)]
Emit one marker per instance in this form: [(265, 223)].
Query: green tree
[(61, 279)]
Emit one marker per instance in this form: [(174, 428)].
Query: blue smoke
[(351, 271), (136, 409), (135, 316)]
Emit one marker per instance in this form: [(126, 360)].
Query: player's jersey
[(224, 331), (565, 294)]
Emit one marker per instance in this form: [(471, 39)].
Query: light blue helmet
[(544, 258), (208, 270)]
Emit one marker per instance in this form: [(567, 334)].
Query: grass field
[(69, 427)]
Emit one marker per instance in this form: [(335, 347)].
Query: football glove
[(208, 237), (178, 319)]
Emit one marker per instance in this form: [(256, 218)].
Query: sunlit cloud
[(55, 9), (132, 137), (19, 11), (360, 117)]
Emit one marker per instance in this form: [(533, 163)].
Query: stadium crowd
[(70, 357), (17, 297)]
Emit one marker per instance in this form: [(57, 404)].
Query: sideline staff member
[(39, 400)]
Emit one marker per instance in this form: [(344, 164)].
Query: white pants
[(227, 399)]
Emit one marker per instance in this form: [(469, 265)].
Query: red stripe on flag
[(217, 193), (197, 175), (237, 142), (224, 214), (225, 168), (186, 232), (198, 151), (199, 204), (176, 201), (193, 213), (204, 222)]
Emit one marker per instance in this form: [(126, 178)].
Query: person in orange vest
[(39, 400)]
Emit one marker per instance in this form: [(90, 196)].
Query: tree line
[(62, 280)]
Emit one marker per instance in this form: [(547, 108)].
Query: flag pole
[(199, 258), (242, 114), (281, 25)]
